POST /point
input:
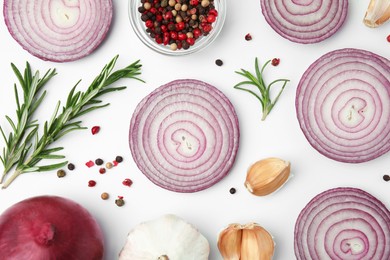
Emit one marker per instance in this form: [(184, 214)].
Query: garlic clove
[(266, 176), (257, 243), (378, 12), (229, 242)]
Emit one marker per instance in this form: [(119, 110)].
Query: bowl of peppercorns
[(177, 27)]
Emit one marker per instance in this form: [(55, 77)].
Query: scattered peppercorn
[(119, 159), (109, 165), (119, 201), (386, 177), (219, 62), (95, 130), (99, 161), (104, 196), (61, 173), (127, 182), (232, 190), (275, 62), (71, 167), (248, 37), (102, 170), (388, 38), (91, 183), (89, 164)]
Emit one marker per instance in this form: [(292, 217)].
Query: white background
[(210, 210)]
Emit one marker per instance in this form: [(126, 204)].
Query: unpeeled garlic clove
[(378, 12), (266, 176), (246, 242), (229, 242)]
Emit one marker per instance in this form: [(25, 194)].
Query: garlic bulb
[(266, 176), (378, 12), (166, 238), (246, 242)]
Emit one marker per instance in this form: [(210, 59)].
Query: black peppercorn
[(219, 62), (386, 177), (99, 161), (119, 159), (61, 173), (232, 190), (119, 202), (71, 166)]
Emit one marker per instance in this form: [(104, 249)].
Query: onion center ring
[(184, 136), (58, 30), (343, 105)]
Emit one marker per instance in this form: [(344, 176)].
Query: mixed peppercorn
[(178, 23)]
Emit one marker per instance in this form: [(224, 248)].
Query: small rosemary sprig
[(25, 127), (265, 90), (63, 121)]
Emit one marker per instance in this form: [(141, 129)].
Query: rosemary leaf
[(257, 80)]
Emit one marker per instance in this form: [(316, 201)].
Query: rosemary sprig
[(265, 90), (25, 127), (63, 121)]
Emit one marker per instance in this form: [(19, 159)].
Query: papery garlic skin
[(378, 12), (267, 175), (168, 237), (246, 242)]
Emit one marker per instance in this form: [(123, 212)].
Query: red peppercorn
[(248, 37), (388, 38), (194, 2), (173, 35), (153, 10), (168, 15), (127, 182), (159, 40), (159, 18), (275, 61), (149, 23), (91, 183), (180, 26), (89, 164), (102, 170), (207, 28), (197, 32), (181, 36), (213, 12), (211, 18), (95, 130), (164, 28), (115, 163), (191, 41)]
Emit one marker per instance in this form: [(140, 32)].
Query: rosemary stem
[(11, 179)]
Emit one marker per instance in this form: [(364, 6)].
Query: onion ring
[(58, 30), (307, 21), (343, 224), (184, 136), (343, 105)]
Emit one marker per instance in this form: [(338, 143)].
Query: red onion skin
[(349, 148), (343, 206), (49, 227), (229, 117), (54, 43)]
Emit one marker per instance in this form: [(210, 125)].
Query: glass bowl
[(201, 43)]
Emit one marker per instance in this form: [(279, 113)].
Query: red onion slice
[(343, 105), (58, 30), (184, 136), (343, 223), (307, 21)]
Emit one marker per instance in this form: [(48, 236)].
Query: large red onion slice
[(343, 224), (184, 136), (343, 105), (307, 21), (58, 30)]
